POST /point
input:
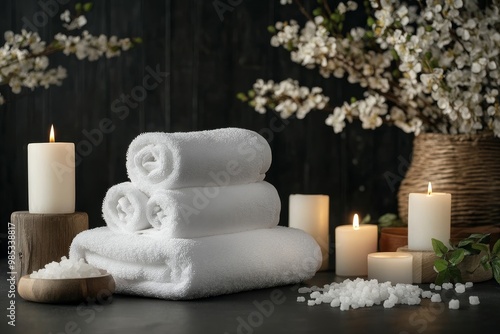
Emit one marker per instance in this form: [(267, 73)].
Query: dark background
[(210, 57)]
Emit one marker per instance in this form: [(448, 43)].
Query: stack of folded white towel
[(197, 220)]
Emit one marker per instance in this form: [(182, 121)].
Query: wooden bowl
[(67, 290)]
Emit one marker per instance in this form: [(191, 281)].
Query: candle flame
[(429, 189), (52, 137), (355, 222)]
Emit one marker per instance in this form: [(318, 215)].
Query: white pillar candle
[(310, 213), (353, 243), (51, 177), (429, 216), (395, 267)]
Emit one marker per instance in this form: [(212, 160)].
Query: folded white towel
[(201, 267), (200, 212), (124, 208), (197, 159)]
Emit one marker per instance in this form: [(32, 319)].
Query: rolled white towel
[(124, 208), (221, 157), (200, 267), (199, 212)]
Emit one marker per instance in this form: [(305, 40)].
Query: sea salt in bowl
[(67, 282)]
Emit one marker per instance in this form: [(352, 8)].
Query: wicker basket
[(467, 166)]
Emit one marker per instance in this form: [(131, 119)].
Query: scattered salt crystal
[(437, 287), (315, 294), (474, 300), (447, 286), (426, 294), (388, 304), (67, 268), (315, 288), (344, 306), (454, 304), (335, 302), (469, 284), (304, 290), (432, 285), (436, 298), (460, 289), (311, 302), (301, 299)]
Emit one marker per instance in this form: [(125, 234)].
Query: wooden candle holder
[(43, 238), (423, 267)]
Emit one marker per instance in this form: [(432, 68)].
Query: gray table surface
[(273, 310)]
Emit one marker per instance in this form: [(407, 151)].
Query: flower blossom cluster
[(287, 98), (24, 58), (428, 69)]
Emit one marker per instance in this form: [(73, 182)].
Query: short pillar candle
[(395, 267), (353, 243), (310, 213)]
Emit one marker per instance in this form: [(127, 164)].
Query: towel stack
[(197, 220)]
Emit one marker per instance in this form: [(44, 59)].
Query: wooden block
[(43, 238), (423, 265)]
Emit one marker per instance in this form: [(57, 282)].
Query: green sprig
[(449, 258)]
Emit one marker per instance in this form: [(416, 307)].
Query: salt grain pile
[(67, 269), (366, 293), (361, 293)]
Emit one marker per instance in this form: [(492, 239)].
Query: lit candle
[(353, 243), (51, 176), (395, 267), (310, 213), (429, 216)]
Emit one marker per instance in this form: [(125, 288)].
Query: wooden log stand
[(43, 238)]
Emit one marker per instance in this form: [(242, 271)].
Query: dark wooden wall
[(208, 60)]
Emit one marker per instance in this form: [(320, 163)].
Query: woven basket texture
[(466, 166)]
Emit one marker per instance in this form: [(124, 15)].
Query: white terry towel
[(200, 212), (124, 208), (197, 159), (201, 267)]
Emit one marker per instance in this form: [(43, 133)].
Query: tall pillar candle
[(429, 216), (51, 177), (310, 213), (353, 243)]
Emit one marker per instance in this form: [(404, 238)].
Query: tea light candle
[(395, 267), (429, 216), (353, 243), (310, 213), (51, 177)]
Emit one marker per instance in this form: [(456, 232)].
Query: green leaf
[(441, 265), (439, 248), (457, 256), (335, 17), (137, 40), (443, 276), (271, 29), (317, 12), (496, 248), (455, 275), (366, 219), (251, 93), (87, 7), (485, 262), (481, 247), (495, 265), (242, 97), (78, 7), (370, 21), (465, 242)]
